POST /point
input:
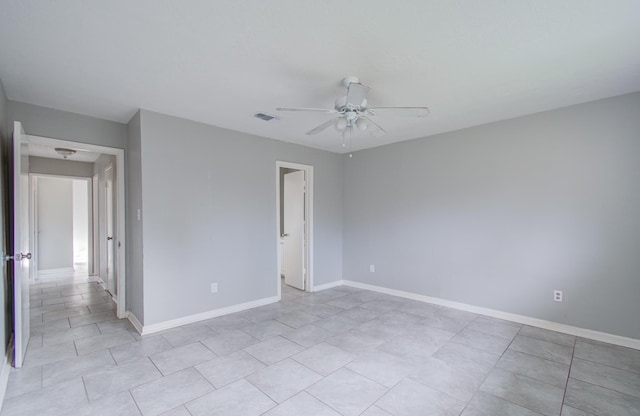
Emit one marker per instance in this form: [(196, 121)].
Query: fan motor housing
[(341, 103)]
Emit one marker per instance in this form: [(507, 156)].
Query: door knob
[(22, 256), (285, 235), (109, 238)]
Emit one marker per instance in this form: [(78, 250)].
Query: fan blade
[(356, 93), (316, 110), (374, 128), (321, 127), (399, 111)]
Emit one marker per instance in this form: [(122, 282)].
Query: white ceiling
[(219, 62)]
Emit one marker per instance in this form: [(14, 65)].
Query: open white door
[(22, 256), (108, 200), (294, 229)]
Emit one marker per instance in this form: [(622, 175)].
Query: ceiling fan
[(352, 111)]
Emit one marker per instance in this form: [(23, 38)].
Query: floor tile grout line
[(606, 388), (112, 357), (494, 368), (86, 392), (488, 372), (327, 404), (205, 377), (550, 342), (163, 376), (529, 377), (353, 371), (566, 386), (538, 357), (214, 390), (267, 394), (636, 373), (477, 349), (134, 401), (216, 355)]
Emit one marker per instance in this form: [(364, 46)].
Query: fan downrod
[(350, 80)]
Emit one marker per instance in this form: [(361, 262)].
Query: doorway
[(111, 162), (61, 224), (294, 200)]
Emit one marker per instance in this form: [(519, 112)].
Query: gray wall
[(57, 124), (5, 313), (54, 218), (502, 214), (82, 223), (209, 199), (135, 299), (48, 166)]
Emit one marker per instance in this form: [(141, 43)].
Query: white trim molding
[(308, 169), (174, 323), (63, 270), (521, 319), (326, 286), (120, 208), (135, 322)]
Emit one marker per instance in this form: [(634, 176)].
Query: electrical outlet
[(214, 288), (557, 295), (372, 268)]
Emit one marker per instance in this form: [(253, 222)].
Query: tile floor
[(343, 351)]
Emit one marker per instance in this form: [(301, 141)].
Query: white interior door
[(294, 229), (108, 186), (22, 256)]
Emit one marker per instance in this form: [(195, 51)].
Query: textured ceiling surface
[(220, 62)]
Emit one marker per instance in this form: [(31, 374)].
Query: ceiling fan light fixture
[(353, 112), (64, 152)]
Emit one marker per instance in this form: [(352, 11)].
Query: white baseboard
[(135, 322), (521, 319), (325, 286), (5, 371), (63, 270), (174, 323)]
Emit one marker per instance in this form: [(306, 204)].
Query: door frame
[(33, 212), (308, 169), (109, 210), (120, 210)]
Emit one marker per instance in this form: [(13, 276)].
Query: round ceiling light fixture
[(64, 152)]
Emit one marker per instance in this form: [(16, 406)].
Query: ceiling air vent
[(265, 117)]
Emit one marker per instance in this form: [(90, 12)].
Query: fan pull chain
[(350, 133)]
